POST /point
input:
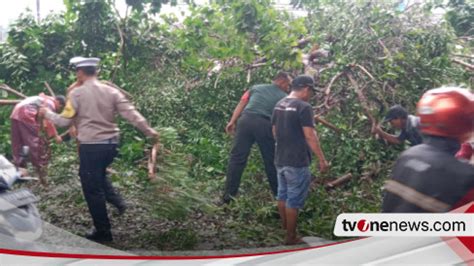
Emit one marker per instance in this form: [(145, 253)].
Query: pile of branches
[(379, 56)]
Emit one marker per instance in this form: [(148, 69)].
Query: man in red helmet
[(428, 177)]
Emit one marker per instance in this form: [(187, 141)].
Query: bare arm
[(386, 136), (313, 143), (230, 128)]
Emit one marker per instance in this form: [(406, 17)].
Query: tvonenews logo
[(404, 224)]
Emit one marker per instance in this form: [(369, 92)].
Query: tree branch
[(339, 181), (5, 87), (365, 71), (327, 92), (9, 102), (152, 162), (126, 93), (464, 64), (464, 55), (327, 124), (51, 92), (363, 100)]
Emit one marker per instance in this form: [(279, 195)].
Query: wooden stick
[(328, 89), (365, 71), (9, 102), (327, 124), (5, 87), (128, 95), (464, 55), (152, 162), (64, 134), (464, 64), (338, 181), (51, 92), (257, 65)]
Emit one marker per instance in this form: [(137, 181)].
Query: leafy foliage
[(176, 192), (461, 16)]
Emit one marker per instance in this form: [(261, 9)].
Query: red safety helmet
[(447, 111)]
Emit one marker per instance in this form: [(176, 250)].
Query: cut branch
[(328, 89), (365, 71), (464, 55), (462, 63), (339, 181), (126, 93), (327, 92), (9, 102), (62, 135), (6, 88), (327, 124), (257, 65), (152, 162), (51, 91)]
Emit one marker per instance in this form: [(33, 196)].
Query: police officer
[(91, 107), (428, 177)]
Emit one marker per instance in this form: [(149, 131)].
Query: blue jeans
[(293, 185)]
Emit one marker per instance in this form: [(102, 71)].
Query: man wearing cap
[(256, 107), (26, 129), (293, 128), (400, 119), (91, 107)]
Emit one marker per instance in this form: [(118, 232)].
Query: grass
[(249, 222)]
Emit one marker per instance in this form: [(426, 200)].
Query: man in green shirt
[(254, 113)]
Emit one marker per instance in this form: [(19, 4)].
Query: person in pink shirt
[(27, 129)]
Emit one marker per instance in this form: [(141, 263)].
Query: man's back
[(263, 99), (95, 107), (289, 117), (27, 110), (432, 170)]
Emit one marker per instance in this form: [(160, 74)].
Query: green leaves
[(175, 192), (151, 6)]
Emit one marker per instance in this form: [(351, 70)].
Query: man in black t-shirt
[(293, 128)]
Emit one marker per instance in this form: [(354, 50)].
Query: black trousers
[(97, 189), (251, 128)]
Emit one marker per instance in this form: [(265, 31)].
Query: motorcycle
[(20, 222)]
